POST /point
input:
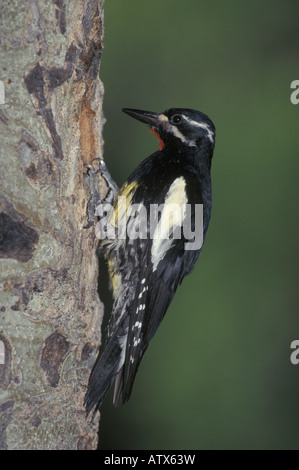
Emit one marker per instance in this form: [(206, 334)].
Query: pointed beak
[(148, 117)]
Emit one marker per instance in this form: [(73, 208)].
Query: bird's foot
[(95, 204)]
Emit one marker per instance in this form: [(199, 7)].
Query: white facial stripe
[(203, 126), (174, 130), (172, 216)]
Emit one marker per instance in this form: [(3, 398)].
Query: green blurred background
[(218, 374)]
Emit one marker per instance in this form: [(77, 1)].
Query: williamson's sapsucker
[(153, 239)]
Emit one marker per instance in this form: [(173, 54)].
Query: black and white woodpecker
[(146, 269)]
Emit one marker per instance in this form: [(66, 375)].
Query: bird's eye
[(176, 119)]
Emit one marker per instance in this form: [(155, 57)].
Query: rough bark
[(50, 312)]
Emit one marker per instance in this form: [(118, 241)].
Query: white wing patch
[(172, 216)]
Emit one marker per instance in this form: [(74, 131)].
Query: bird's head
[(179, 126)]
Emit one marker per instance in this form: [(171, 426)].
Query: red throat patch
[(161, 143)]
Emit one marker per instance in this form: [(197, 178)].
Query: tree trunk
[(50, 313)]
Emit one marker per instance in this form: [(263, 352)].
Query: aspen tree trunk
[(50, 314)]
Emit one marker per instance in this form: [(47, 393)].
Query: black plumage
[(146, 271)]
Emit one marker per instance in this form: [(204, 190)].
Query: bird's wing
[(162, 264)]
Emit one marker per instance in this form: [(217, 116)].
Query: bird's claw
[(93, 185)]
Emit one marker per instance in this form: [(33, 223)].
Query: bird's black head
[(179, 126)]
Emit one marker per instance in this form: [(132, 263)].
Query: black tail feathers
[(102, 375)]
